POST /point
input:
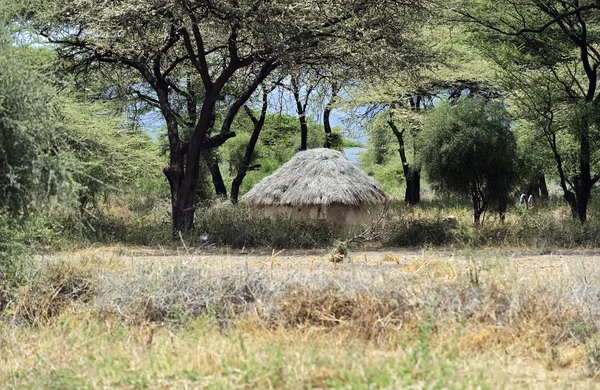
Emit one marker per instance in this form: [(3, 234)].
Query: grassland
[(139, 318)]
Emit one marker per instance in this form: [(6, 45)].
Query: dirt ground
[(283, 263)]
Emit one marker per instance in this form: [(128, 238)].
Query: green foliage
[(347, 142), (235, 150), (238, 227), (112, 157), (381, 159), (381, 142), (534, 157), (469, 149), (545, 227), (31, 167), (546, 54), (13, 256)]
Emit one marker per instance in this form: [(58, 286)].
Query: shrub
[(14, 258), (236, 226), (54, 288), (429, 232), (13, 253), (470, 150)]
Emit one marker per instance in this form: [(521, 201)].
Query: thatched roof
[(316, 177)]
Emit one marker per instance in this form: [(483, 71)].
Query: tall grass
[(108, 320)]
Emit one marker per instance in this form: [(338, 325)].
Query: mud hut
[(318, 184)]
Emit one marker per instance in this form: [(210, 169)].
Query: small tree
[(469, 149)]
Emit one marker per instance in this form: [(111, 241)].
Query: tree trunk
[(412, 176), (543, 186), (583, 183), (478, 210), (412, 195), (476, 217), (301, 110), (175, 170), (186, 193), (502, 207), (327, 114), (582, 204), (480, 203), (212, 162), (245, 164)]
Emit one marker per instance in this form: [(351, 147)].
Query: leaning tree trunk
[(412, 175), (186, 194), (212, 163), (245, 164)]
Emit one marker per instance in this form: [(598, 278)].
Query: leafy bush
[(539, 228), (430, 232), (238, 227), (109, 228), (13, 254), (470, 150), (14, 258)]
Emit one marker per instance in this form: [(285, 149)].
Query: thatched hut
[(318, 184)]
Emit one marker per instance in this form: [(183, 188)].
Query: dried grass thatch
[(317, 177)]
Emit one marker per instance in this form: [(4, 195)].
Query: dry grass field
[(140, 318)]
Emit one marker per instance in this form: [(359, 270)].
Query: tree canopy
[(469, 149)]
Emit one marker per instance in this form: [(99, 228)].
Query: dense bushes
[(470, 150), (223, 225), (428, 232), (541, 231), (238, 227), (13, 254), (14, 261)]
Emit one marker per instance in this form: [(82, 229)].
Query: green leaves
[(469, 149), (27, 158)]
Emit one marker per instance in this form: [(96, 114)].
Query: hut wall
[(335, 214)]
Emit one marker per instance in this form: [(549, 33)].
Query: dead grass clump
[(55, 287), (592, 349), (534, 316), (433, 267), (366, 316), (7, 295), (180, 293)]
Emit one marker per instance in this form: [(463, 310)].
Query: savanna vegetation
[(130, 131)]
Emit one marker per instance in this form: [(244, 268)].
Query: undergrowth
[(545, 227), (238, 227)]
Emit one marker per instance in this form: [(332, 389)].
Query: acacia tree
[(402, 96), (224, 43), (549, 53), (470, 150)]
